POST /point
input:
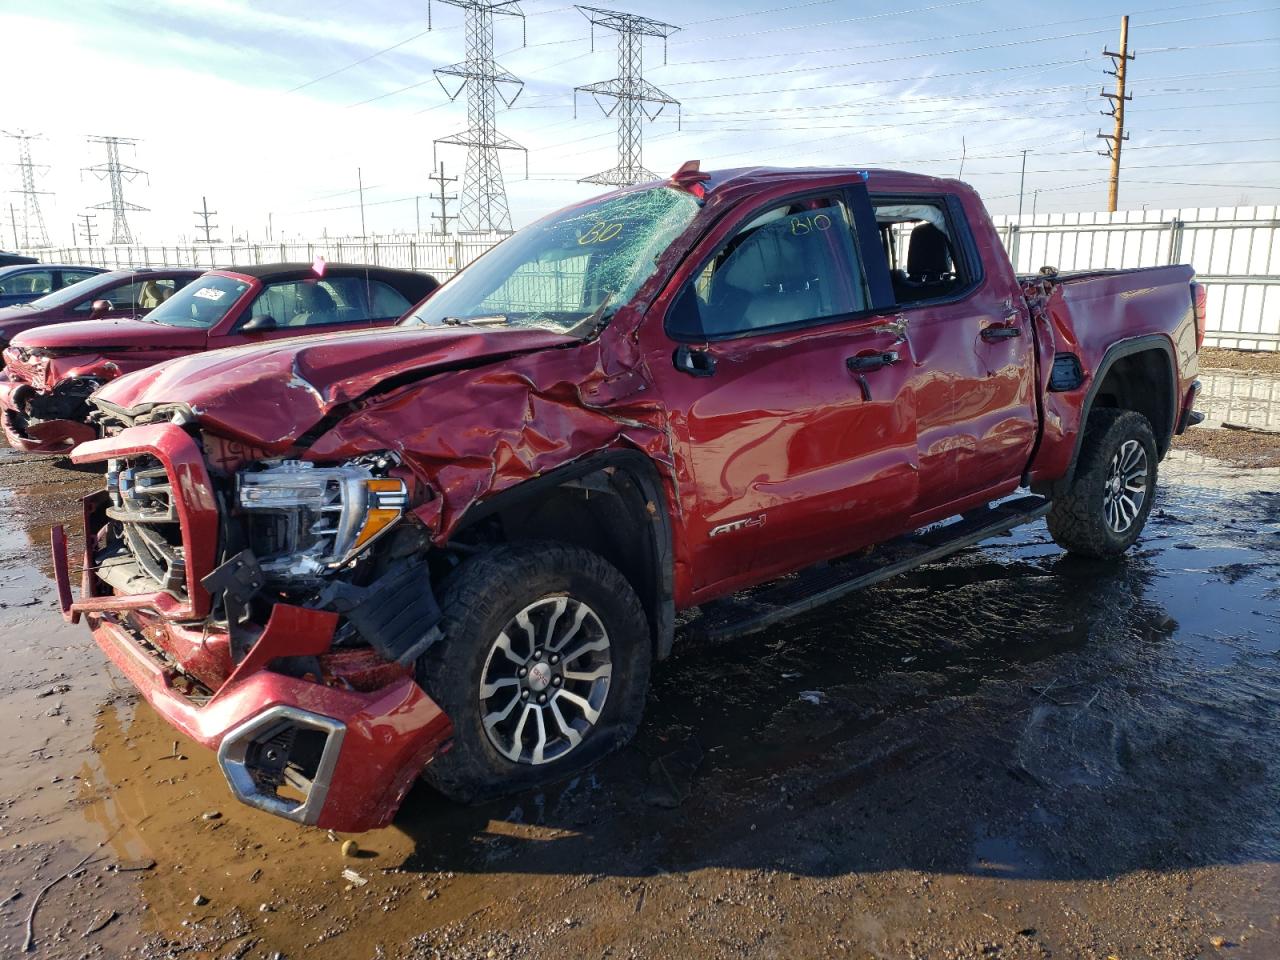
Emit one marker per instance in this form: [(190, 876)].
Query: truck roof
[(882, 178)]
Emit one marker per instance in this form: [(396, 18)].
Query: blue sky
[(219, 93)]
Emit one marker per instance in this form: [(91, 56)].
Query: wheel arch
[(1139, 374), (612, 502)]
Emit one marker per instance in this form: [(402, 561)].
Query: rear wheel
[(1106, 507), (542, 669)]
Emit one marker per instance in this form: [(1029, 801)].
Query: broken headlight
[(304, 520)]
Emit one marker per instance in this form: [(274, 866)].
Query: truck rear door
[(789, 393), (969, 329)]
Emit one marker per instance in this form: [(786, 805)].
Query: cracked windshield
[(568, 272)]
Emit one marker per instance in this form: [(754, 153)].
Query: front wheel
[(1106, 507), (542, 668)]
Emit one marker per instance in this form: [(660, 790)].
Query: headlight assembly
[(305, 520)]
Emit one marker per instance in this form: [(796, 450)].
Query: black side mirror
[(99, 309), (261, 322)]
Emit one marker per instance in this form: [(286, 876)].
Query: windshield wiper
[(495, 320)]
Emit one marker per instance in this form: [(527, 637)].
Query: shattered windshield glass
[(568, 272)]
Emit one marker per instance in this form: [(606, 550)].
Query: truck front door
[(789, 391)]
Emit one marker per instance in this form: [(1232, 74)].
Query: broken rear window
[(567, 272)]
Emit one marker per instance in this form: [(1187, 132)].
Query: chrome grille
[(142, 504)]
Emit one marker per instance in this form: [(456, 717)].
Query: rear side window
[(75, 276), (924, 247), (792, 264), (384, 302)]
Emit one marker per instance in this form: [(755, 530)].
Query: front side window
[(201, 303), (29, 283), (567, 272), (922, 250), (75, 276), (792, 264)]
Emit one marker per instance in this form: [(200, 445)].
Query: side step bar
[(763, 606)]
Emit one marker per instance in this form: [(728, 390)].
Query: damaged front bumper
[(40, 436), (337, 747)]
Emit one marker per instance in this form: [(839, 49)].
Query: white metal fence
[(1233, 249), (437, 255)]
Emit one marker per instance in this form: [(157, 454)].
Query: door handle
[(696, 363), (867, 362), (999, 332)]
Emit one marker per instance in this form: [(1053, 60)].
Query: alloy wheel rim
[(545, 680), (1126, 487)]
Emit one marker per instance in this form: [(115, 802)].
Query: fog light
[(282, 761)]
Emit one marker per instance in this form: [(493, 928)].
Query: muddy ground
[(1011, 754)]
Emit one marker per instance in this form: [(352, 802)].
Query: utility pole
[(1118, 99), (204, 213), (1022, 182), (484, 196), (33, 231), (631, 93), (13, 222), (360, 182), (117, 174), (443, 216), (88, 219)]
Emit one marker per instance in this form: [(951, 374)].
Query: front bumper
[(46, 436), (338, 751)]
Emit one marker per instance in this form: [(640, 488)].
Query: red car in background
[(93, 294), (51, 371)]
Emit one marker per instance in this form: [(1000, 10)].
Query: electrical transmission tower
[(484, 196), (33, 231), (118, 174), (1118, 99), (631, 93)]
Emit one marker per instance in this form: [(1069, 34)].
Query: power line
[(484, 196), (631, 93), (117, 174), (33, 231), (1001, 31)]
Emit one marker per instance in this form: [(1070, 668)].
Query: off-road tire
[(1077, 519), (478, 602)]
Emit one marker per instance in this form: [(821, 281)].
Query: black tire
[(1078, 519), (479, 602)]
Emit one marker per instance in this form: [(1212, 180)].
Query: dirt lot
[(1011, 754), (1267, 361)]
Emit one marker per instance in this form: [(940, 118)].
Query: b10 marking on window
[(601, 233), (800, 226)]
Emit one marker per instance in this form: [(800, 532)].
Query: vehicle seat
[(150, 295), (929, 266), (315, 307)]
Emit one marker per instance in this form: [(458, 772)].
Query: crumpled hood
[(270, 394), (89, 336)]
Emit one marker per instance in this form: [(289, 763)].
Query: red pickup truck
[(726, 397), (50, 371)]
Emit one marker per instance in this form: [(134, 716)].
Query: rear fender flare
[(1116, 352)]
